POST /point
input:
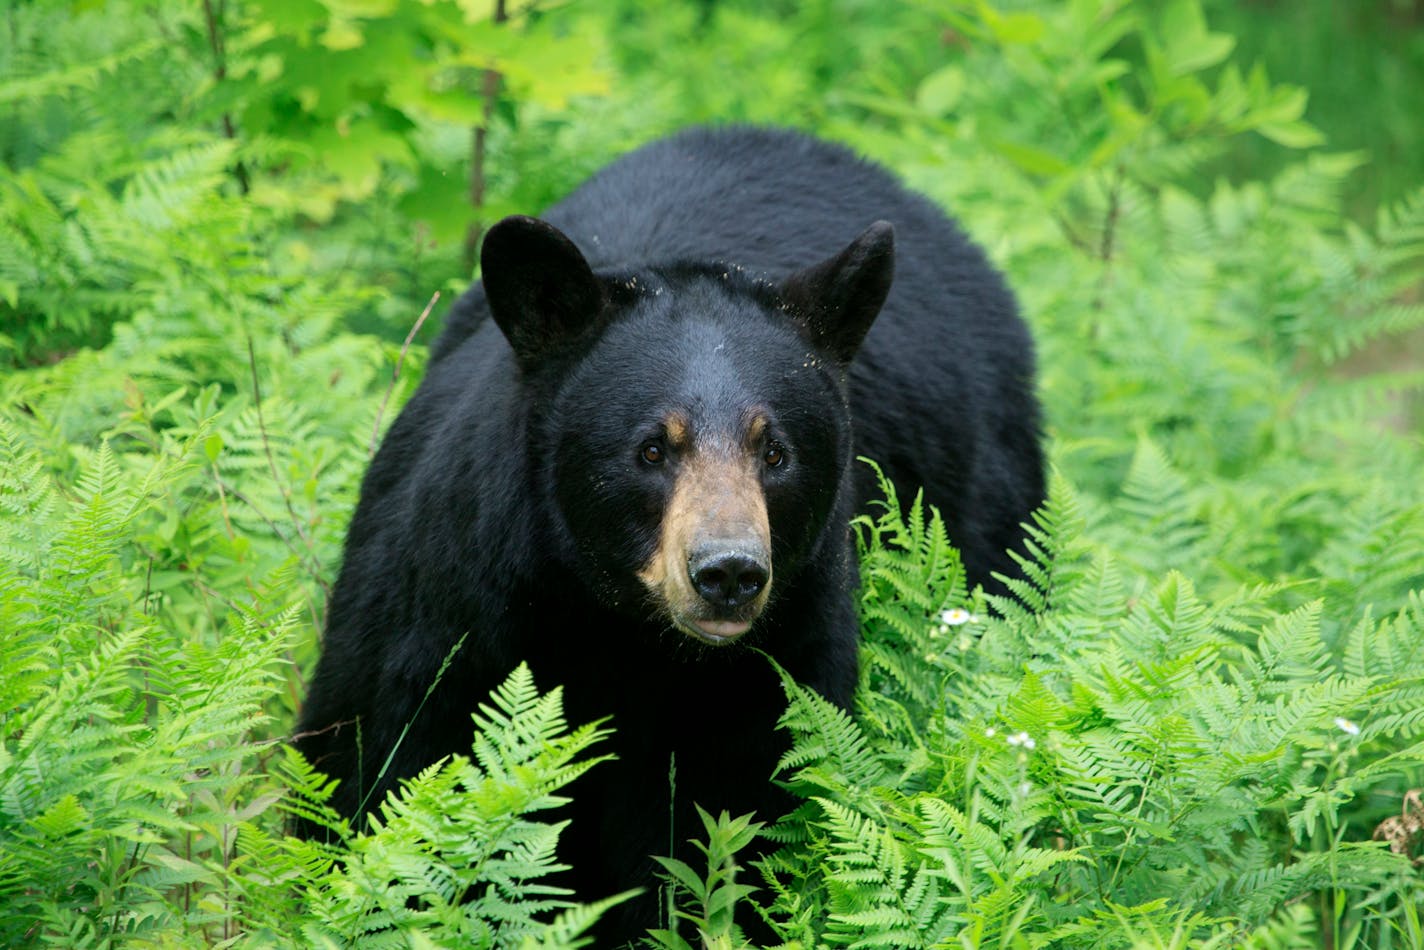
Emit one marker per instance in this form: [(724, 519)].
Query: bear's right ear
[(541, 291), (837, 299)]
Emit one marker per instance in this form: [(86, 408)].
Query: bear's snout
[(727, 579), (711, 573)]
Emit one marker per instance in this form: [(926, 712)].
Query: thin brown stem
[(213, 18), (489, 92), (272, 467), (395, 377), (1107, 246), (1110, 220)]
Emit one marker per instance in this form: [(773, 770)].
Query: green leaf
[(1013, 28), (341, 34), (1031, 159), (1292, 134), (1188, 46), (940, 91), (1202, 52)]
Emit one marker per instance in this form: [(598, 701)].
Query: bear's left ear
[(541, 291), (838, 299)]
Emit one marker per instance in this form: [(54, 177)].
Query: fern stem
[(669, 892)]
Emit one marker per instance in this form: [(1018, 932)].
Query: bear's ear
[(837, 299), (541, 291)]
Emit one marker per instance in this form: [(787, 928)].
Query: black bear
[(631, 464)]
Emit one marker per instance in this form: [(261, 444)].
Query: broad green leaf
[(940, 91), (1292, 134), (1033, 160), (341, 34)]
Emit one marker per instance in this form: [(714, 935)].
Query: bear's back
[(771, 200)]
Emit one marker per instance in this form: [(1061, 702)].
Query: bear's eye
[(652, 453), (775, 455)]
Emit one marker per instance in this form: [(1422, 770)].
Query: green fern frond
[(567, 930), (830, 750), (53, 82), (1401, 234), (1261, 893), (1101, 597), (878, 893), (453, 853), (1171, 623), (1290, 652), (308, 794), (173, 188), (1378, 556), (1294, 927), (1162, 528), (1056, 559)]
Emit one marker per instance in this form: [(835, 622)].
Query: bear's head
[(688, 423)]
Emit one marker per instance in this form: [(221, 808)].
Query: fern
[(456, 855), (1054, 563), (1169, 730), (830, 739), (132, 746)]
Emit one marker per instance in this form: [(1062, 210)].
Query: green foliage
[(706, 900), (354, 88), (1348, 54), (1081, 767), (128, 759), (135, 802), (454, 859), (1185, 725)]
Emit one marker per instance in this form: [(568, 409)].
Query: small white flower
[(990, 732), (956, 616), (1346, 726), (1022, 739)]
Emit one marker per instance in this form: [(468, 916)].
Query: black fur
[(507, 501)]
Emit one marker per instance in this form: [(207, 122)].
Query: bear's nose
[(727, 578)]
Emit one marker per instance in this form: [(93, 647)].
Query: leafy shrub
[(1081, 766)]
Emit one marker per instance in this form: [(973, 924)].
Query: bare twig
[(214, 20), (489, 91), (1110, 220), (307, 559), (272, 467), (1107, 247), (308, 733), (395, 377)]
